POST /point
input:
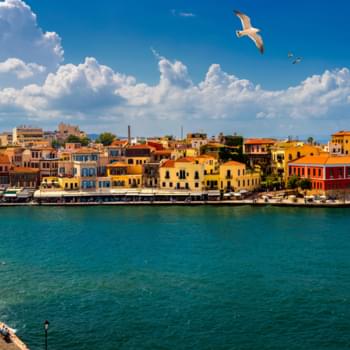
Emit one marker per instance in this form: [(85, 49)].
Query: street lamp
[(46, 327)]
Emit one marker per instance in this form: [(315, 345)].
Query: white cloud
[(16, 73), (184, 14), (33, 85), (23, 39), (94, 92)]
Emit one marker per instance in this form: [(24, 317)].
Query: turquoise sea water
[(177, 277)]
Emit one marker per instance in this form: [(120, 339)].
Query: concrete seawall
[(179, 203)]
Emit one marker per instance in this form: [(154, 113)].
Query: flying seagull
[(297, 60), (249, 31), (290, 54)]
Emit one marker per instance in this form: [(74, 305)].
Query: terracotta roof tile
[(233, 163), (19, 169), (322, 160), (259, 141), (342, 133), (168, 164)]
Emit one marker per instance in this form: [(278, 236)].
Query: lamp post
[(46, 327)]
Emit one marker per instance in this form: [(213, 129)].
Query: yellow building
[(278, 152), (69, 183), (342, 138), (60, 184), (123, 175), (182, 174), (234, 176), (294, 153), (285, 152)]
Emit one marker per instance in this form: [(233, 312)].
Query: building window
[(196, 185), (170, 184), (164, 184), (196, 175)]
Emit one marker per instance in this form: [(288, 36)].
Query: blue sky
[(91, 63), (120, 34)]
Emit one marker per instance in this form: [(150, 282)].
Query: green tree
[(233, 140), (75, 139), (293, 182), (106, 138), (56, 144), (305, 184), (85, 141), (310, 140)]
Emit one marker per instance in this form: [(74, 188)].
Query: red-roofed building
[(327, 173), (258, 152)]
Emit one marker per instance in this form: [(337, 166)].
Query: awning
[(10, 195), (214, 193)]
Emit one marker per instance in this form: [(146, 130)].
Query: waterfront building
[(123, 175), (44, 159), (138, 155), (60, 184), (26, 135), (5, 165), (327, 173), (297, 152), (258, 153), (24, 177), (182, 174), (104, 183), (85, 167), (150, 175), (65, 164), (235, 177), (278, 155), (342, 138)]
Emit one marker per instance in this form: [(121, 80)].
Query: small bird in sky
[(297, 60), (290, 54), (250, 31)]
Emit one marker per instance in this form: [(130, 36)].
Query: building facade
[(327, 173)]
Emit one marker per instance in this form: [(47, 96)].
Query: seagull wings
[(246, 24), (258, 41)]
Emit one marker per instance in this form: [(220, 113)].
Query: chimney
[(129, 134)]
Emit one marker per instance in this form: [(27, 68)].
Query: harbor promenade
[(9, 340)]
